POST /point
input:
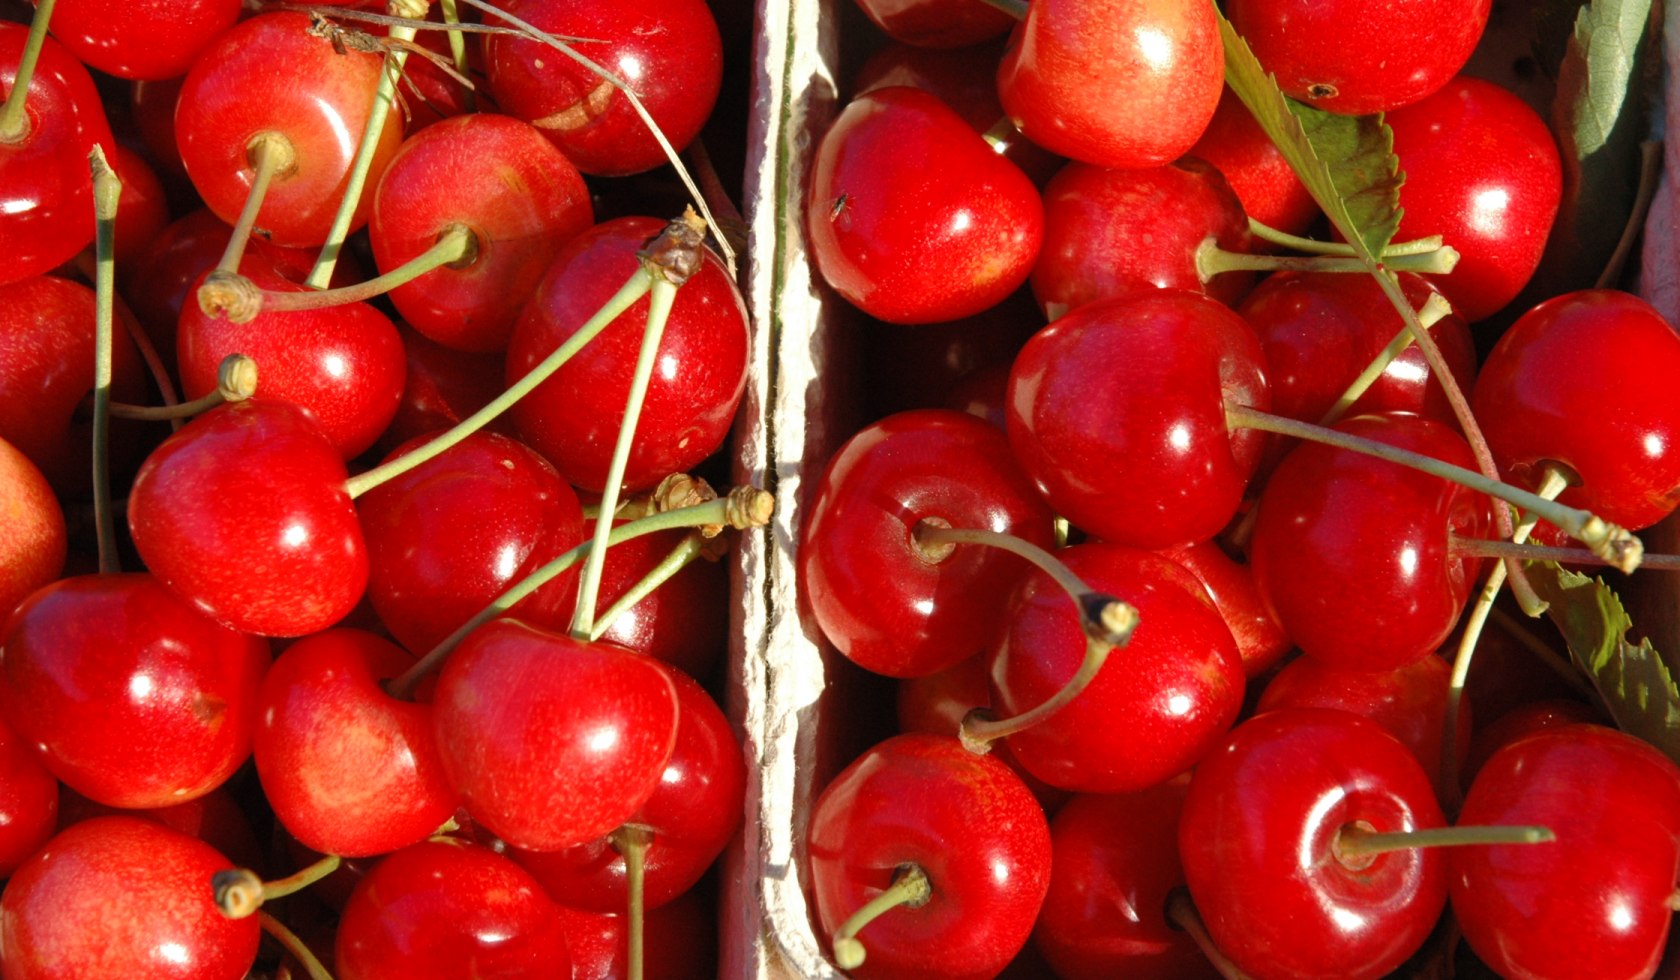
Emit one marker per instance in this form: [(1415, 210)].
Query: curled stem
[(910, 889), (1181, 912)]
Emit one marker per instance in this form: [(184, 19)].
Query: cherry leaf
[(1632, 680), (1347, 163)]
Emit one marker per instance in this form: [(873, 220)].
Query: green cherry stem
[(107, 190), (88, 267), (1313, 246), (236, 380), (290, 942), (1608, 541), (269, 154), (458, 52), (236, 297), (692, 546), (910, 889), (1434, 309), (239, 892), (14, 121), (741, 508), (1355, 845), (632, 841), (1482, 548), (395, 57), (1211, 260)]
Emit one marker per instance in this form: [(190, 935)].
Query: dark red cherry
[(130, 696), (1355, 59), (937, 23), (1409, 701), (669, 54), (1117, 83), (684, 622), (214, 818), (911, 215), (573, 417), (244, 513), (680, 941), (440, 388), (142, 39), (885, 602)]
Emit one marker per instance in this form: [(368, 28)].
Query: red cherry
[(1353, 59), (1255, 168), (214, 818), (912, 217), (121, 896), (573, 417), (29, 801), (446, 909), (32, 538), (244, 512), (684, 622), (1261, 640), (1117, 83), (1519, 722), (917, 800), (1261, 835), (517, 195), (679, 941), (551, 741), (1594, 903), (142, 210), (348, 769), (440, 388), (131, 697), (146, 39), (937, 23), (669, 54)]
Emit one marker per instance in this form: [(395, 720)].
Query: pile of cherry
[(247, 682), (1219, 734)]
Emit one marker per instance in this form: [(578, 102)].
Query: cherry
[(921, 368), (130, 696), (1354, 555), (29, 801), (245, 513), (1261, 641), (1597, 901), (44, 150), (1117, 412), (1351, 59), (684, 622), (1255, 168), (886, 602), (348, 769), (1156, 705), (32, 538), (1521, 721), (141, 39), (669, 54), (552, 741), (143, 210), (440, 388), (937, 23), (573, 417), (1110, 232), (1263, 839), (922, 805), (516, 195), (1116, 83), (214, 818), (445, 908), (447, 537), (912, 217), (1483, 172), (681, 941), (121, 896)]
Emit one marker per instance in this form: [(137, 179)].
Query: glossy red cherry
[(440, 388), (244, 513), (684, 622), (444, 909), (143, 39), (1117, 412), (1356, 59), (1483, 172), (348, 769), (32, 538), (573, 417), (680, 941), (911, 215), (884, 601), (551, 741), (669, 54), (1261, 640), (966, 821), (131, 697), (214, 818), (121, 896), (1117, 83), (937, 23), (1261, 835), (1594, 903), (1255, 168), (29, 801)]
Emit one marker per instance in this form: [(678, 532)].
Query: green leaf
[(1632, 679), (1346, 162)]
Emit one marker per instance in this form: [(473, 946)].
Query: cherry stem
[(1002, 136), (1650, 168), (531, 31), (1485, 548), (236, 380), (107, 191), (1608, 541), (1182, 912), (239, 892), (86, 265), (1211, 260), (634, 289), (1355, 843), (289, 941), (1434, 309), (239, 299), (729, 216), (664, 294), (691, 547), (632, 842), (458, 52), (269, 153), (910, 889), (391, 70), (1259, 229), (1106, 621), (742, 508), (14, 121)]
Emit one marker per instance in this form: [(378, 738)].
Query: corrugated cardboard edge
[(776, 671)]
